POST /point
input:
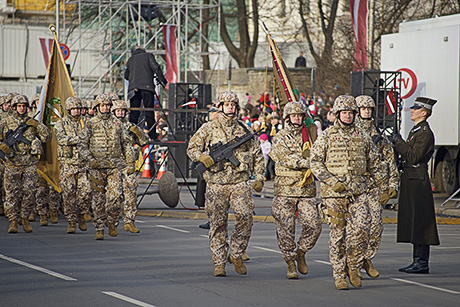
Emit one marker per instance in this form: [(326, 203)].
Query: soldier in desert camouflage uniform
[(105, 144), (21, 175), (341, 158), (3, 112), (76, 189), (377, 198), (295, 189), (139, 138), (230, 184), (34, 104), (48, 202)]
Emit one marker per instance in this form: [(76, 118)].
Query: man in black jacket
[(416, 214), (141, 68)]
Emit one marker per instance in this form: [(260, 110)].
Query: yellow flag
[(58, 89)]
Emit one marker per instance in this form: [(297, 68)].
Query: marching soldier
[(295, 189), (229, 183), (3, 112), (130, 184), (341, 158), (34, 104), (105, 144), (377, 198), (416, 215), (21, 177), (76, 190)]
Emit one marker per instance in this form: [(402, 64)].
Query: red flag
[(358, 10), (169, 35), (191, 103), (390, 102), (46, 44)]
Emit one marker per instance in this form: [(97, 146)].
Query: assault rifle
[(220, 152), (13, 137)]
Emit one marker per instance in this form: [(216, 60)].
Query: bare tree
[(329, 66), (245, 53)]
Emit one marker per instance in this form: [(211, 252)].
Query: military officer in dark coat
[(416, 215)]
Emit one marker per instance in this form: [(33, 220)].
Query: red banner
[(358, 10), (169, 35)]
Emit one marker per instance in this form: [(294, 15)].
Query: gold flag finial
[(52, 28)]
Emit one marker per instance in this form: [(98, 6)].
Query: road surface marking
[(37, 268), (204, 236), (127, 299), (172, 228), (426, 286), (323, 262), (267, 249)]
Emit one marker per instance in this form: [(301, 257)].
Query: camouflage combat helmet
[(294, 107), (113, 96), (10, 96), (35, 97), (85, 104), (119, 104), (20, 99), (72, 103), (365, 101), (345, 103), (227, 96), (102, 99)]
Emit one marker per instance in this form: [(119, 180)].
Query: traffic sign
[(65, 51)]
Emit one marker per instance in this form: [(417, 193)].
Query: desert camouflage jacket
[(225, 130), (386, 152), (68, 133), (106, 140), (290, 166), (347, 155), (28, 154)]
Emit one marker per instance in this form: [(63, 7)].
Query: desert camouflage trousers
[(348, 239), (20, 186), (376, 225), (2, 186), (107, 188), (217, 204), (48, 199), (76, 191), (129, 194), (284, 212)]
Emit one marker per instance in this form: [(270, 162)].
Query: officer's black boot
[(414, 257), (421, 265)]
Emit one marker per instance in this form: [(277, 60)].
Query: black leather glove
[(394, 138)]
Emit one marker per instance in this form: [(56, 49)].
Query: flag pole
[(277, 60)]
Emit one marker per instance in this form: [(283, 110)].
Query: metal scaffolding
[(109, 29)]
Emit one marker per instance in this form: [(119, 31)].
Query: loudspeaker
[(181, 93)]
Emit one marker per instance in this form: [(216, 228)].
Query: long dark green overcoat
[(416, 214)]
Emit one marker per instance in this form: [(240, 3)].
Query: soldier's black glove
[(395, 138)]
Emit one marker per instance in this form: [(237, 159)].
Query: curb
[(262, 218)]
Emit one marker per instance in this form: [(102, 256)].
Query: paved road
[(169, 264)]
